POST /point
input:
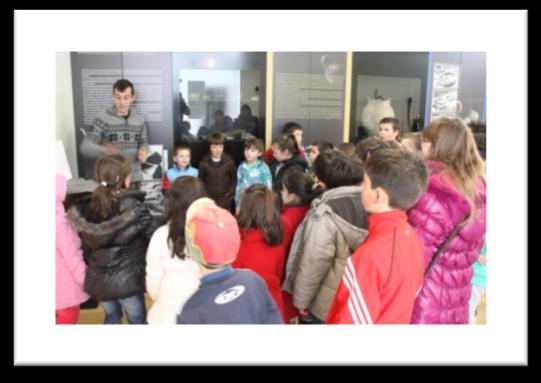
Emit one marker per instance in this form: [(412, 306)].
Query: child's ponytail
[(287, 142), (301, 184), (110, 173)]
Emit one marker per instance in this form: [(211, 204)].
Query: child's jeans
[(68, 315), (475, 299), (134, 307)]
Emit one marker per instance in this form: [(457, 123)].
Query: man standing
[(119, 129)]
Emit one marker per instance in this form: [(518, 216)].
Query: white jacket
[(170, 281)]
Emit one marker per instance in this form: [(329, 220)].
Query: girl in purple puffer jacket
[(456, 190)]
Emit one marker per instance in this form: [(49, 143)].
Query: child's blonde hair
[(453, 144)]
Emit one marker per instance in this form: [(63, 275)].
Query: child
[(358, 171), (115, 227), (412, 141), (226, 295), (286, 153), (293, 128), (253, 170), (333, 228), (181, 166), (317, 147), (297, 193), (261, 230), (479, 282), (383, 276), (389, 129), (171, 278), (70, 267), (371, 144), (455, 198), (218, 172), (348, 148)]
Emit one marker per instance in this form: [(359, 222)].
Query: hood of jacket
[(100, 234), (343, 206)]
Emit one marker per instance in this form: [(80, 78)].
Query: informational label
[(97, 95), (149, 92), (308, 96)]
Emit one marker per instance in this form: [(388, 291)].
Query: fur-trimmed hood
[(100, 234), (115, 247)]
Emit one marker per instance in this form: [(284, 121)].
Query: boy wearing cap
[(226, 295)]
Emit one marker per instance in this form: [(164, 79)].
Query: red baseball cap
[(211, 233)]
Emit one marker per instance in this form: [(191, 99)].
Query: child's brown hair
[(403, 176), (259, 209), (256, 143), (181, 146), (348, 148), (110, 172), (287, 142), (301, 184), (216, 138), (454, 145), (370, 145)]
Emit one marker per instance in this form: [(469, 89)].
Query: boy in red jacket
[(383, 276)]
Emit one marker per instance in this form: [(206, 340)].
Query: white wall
[(65, 120)]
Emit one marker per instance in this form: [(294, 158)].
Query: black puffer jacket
[(297, 163), (114, 248)]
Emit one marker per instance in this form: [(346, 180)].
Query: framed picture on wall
[(445, 91), (154, 167)]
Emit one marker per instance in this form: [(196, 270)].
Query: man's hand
[(482, 260), (142, 155), (111, 148)]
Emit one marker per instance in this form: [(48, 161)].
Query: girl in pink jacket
[(456, 191), (70, 267)]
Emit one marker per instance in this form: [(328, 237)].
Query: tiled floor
[(96, 316)]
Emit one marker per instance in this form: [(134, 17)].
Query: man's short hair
[(123, 84), (402, 174)]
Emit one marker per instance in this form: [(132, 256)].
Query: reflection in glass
[(380, 96), (225, 101)]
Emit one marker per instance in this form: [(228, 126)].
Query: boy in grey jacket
[(331, 231)]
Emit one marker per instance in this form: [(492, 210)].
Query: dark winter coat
[(115, 247), (297, 163), (219, 178)]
